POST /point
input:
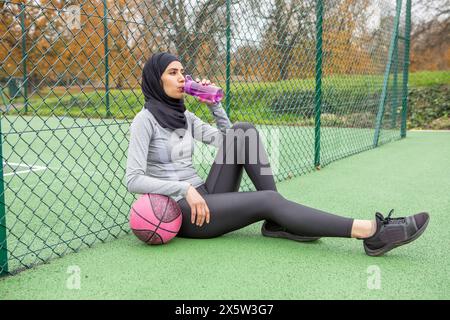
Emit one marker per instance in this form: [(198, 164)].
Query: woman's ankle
[(363, 229)]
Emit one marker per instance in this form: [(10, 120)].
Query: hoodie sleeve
[(206, 133)]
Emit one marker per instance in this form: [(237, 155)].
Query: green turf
[(410, 176)]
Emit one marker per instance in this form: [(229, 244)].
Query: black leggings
[(231, 210)]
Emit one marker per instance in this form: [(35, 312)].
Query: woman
[(160, 161)]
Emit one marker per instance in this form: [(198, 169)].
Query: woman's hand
[(205, 82), (199, 208)]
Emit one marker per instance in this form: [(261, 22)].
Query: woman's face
[(173, 80)]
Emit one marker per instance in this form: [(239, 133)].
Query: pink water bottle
[(210, 93)]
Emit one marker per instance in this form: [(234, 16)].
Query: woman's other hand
[(199, 208)]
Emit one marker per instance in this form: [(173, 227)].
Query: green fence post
[(406, 68), (5, 103), (395, 88), (3, 246), (227, 90), (105, 28), (318, 89), (24, 56), (386, 75)]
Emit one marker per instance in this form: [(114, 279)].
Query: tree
[(430, 35), (190, 28), (289, 29)]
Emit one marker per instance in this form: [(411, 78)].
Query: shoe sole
[(290, 236), (389, 247)]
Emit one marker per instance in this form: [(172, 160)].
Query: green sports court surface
[(410, 175)]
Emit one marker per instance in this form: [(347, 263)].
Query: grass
[(429, 78), (258, 102)]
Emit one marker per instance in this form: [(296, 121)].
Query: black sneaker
[(271, 229), (394, 232)]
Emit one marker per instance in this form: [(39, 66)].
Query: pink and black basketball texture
[(155, 218)]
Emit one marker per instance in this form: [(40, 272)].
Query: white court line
[(40, 168), (19, 172), (31, 168), (417, 130), (22, 165), (64, 172)]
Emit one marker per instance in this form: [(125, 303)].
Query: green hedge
[(429, 107)]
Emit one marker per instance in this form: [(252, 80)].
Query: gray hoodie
[(160, 160)]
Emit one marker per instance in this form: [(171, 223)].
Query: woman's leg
[(241, 149), (234, 210), (247, 152)]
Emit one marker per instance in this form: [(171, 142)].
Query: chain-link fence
[(322, 79)]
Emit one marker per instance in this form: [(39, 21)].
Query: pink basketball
[(155, 218)]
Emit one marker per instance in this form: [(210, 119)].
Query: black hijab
[(169, 112)]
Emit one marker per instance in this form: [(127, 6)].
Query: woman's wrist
[(214, 107), (185, 189)]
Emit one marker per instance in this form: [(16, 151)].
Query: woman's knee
[(244, 130), (270, 197), (244, 126)]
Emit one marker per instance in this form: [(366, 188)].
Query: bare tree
[(289, 23), (430, 33), (191, 25)]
